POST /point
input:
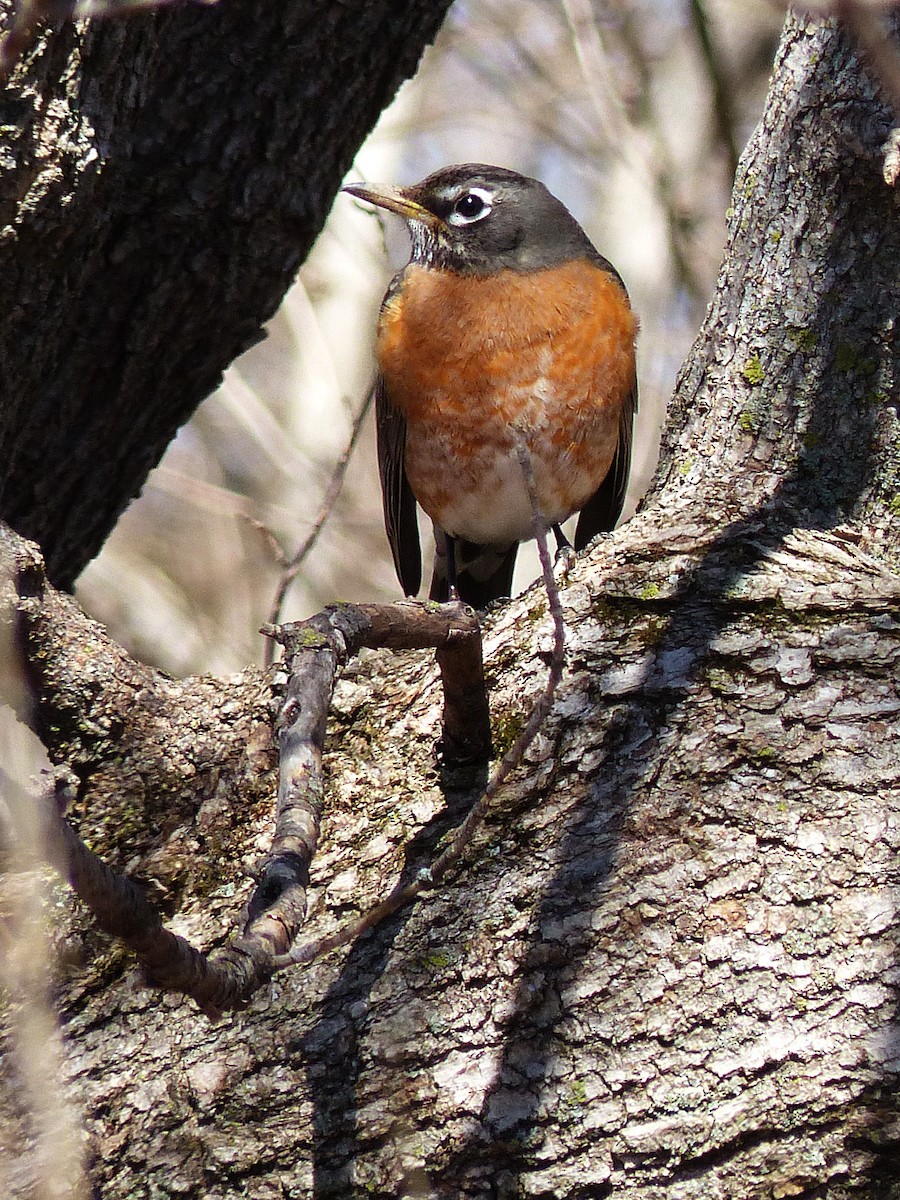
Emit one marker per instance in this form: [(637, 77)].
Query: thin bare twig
[(643, 152), (290, 567), (273, 545), (315, 649), (462, 837)]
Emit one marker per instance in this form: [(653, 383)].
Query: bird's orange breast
[(471, 360)]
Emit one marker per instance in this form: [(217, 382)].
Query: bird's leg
[(562, 542), (565, 555), (452, 593)]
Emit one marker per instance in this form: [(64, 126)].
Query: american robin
[(506, 323)]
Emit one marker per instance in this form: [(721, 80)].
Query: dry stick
[(122, 910), (120, 906), (462, 837), (315, 649), (33, 1052), (290, 568), (226, 978)]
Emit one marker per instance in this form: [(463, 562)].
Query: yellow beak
[(394, 200)]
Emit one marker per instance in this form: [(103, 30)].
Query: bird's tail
[(483, 573)]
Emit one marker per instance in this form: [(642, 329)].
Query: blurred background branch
[(868, 29), (291, 566)]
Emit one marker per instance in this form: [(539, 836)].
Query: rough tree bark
[(162, 178), (669, 965)]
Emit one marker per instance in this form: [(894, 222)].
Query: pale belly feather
[(482, 496)]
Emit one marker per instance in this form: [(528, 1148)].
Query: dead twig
[(121, 909), (290, 567), (462, 837), (315, 650), (643, 152)]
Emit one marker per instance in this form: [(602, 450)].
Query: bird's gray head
[(475, 218)]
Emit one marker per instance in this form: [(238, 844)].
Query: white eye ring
[(477, 200)]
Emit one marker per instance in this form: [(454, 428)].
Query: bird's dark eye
[(470, 205)]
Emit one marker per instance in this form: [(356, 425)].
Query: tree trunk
[(162, 178), (668, 966)]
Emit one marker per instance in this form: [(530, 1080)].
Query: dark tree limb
[(151, 227), (121, 909), (29, 14)]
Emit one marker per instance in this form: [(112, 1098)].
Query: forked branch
[(315, 650)]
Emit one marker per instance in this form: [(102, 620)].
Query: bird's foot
[(564, 558), (563, 563)]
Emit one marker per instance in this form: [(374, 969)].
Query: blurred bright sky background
[(620, 110)]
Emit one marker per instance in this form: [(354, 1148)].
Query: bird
[(506, 328)]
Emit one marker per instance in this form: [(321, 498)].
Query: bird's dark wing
[(604, 508), (396, 495)]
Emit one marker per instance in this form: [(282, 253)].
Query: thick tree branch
[(130, 701), (315, 650), (163, 179)]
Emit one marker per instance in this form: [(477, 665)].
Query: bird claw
[(563, 563)]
